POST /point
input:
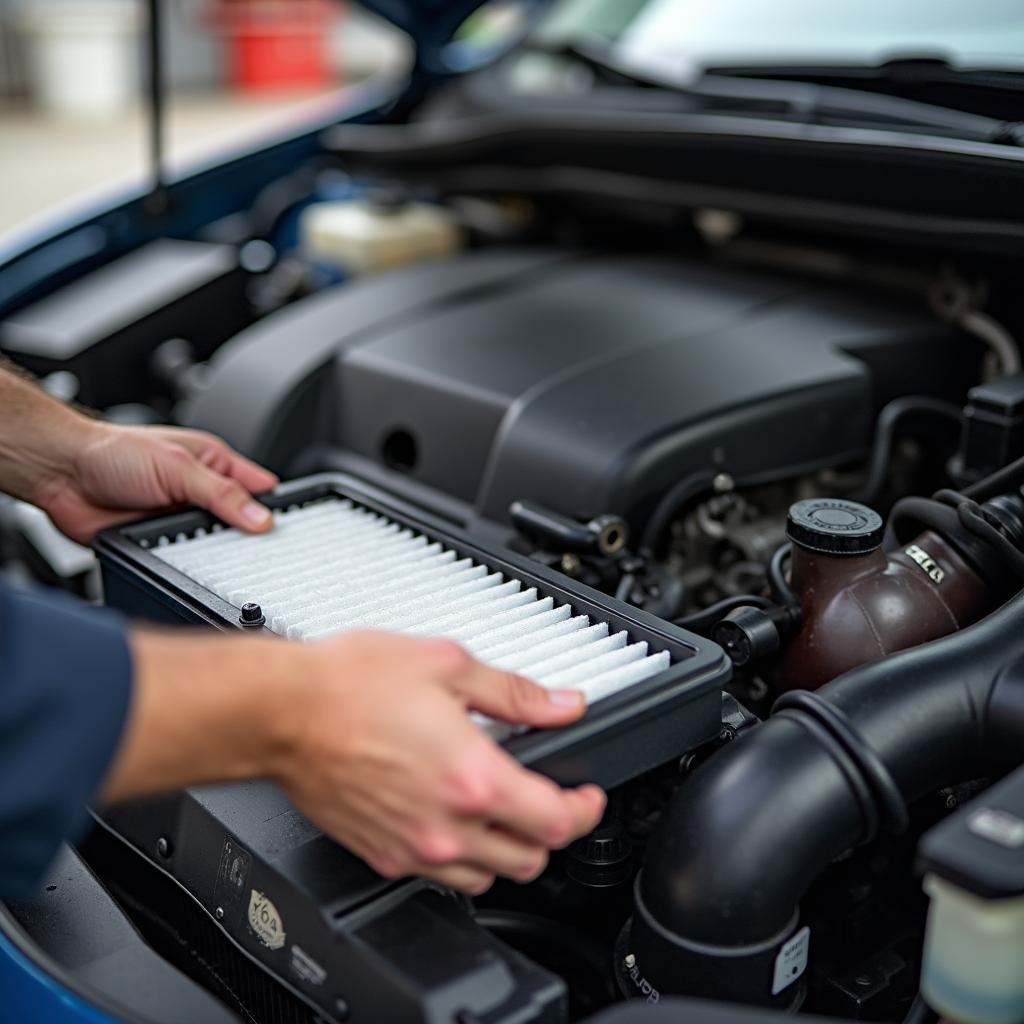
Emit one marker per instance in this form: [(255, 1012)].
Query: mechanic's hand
[(389, 763), (119, 473)]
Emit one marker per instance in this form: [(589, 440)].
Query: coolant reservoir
[(860, 603), (973, 968), (365, 236), (974, 956)]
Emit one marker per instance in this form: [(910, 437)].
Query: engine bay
[(796, 459)]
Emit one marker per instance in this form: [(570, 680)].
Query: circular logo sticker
[(265, 921)]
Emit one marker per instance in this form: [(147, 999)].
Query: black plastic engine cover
[(584, 382)]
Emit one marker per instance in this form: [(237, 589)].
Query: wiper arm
[(997, 91), (744, 91), (910, 69)]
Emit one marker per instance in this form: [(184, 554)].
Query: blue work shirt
[(65, 686)]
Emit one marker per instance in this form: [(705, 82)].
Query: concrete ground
[(46, 162)]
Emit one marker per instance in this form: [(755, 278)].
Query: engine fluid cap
[(834, 527)]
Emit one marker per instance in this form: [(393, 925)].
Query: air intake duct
[(717, 902)]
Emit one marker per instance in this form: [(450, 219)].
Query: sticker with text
[(791, 961), (265, 921)]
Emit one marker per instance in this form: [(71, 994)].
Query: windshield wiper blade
[(913, 69), (743, 90), (976, 91)]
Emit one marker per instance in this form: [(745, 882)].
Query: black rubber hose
[(541, 523), (564, 949), (703, 620), (974, 518), (740, 843), (999, 523), (606, 534), (1006, 479), (515, 927), (777, 582), (625, 586), (671, 504), (885, 434)]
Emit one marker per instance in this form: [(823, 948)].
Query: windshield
[(687, 35)]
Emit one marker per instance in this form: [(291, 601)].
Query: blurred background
[(72, 125), (71, 111)]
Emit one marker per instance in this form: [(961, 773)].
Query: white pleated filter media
[(333, 565)]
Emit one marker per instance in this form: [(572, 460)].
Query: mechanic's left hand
[(119, 473)]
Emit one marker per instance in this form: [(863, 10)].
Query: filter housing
[(346, 556)]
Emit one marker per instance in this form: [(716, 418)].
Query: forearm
[(370, 736), (205, 709), (39, 437)]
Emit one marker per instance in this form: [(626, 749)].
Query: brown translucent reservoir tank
[(859, 603)]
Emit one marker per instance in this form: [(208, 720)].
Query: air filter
[(342, 557)]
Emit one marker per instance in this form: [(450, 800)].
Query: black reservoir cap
[(602, 858), (832, 526)]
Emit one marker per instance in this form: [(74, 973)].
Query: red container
[(279, 44)]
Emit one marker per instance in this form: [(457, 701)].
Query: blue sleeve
[(65, 685)]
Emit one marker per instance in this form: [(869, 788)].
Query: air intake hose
[(716, 907)]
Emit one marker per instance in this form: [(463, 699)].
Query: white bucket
[(83, 57)]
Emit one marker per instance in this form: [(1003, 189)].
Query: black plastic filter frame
[(620, 736)]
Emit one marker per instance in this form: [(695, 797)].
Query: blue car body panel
[(31, 995)]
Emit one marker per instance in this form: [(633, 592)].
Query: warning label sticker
[(792, 960)]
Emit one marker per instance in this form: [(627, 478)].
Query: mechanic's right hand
[(387, 761)]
